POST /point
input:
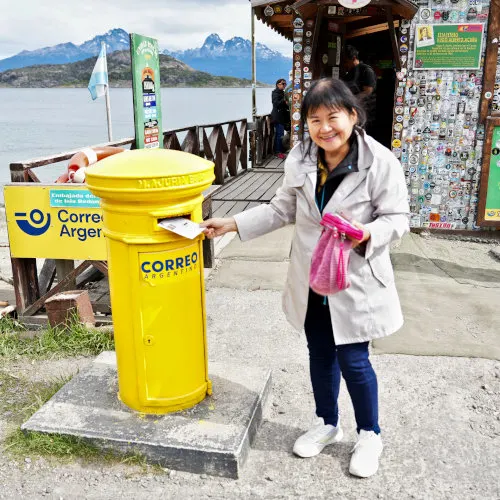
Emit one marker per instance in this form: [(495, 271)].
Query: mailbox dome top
[(163, 172)]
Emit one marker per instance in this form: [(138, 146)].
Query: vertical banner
[(146, 91), (489, 193)]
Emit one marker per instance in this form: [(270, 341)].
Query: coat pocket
[(382, 269)]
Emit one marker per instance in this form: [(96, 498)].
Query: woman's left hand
[(366, 234)]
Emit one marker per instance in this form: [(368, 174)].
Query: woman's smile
[(331, 128)]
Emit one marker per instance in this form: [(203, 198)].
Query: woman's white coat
[(377, 197)]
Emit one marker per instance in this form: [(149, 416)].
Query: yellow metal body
[(155, 276)]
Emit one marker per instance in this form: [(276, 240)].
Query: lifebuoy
[(79, 162)]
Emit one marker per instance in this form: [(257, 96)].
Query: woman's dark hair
[(333, 94), (279, 81)]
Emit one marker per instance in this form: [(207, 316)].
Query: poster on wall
[(448, 46), (146, 91), (492, 206)]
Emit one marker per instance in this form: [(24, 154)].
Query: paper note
[(182, 227)]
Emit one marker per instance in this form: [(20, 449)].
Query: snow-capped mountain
[(230, 58), (116, 39), (233, 58)]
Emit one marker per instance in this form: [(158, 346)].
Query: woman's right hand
[(218, 226)]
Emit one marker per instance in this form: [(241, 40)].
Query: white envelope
[(181, 226)]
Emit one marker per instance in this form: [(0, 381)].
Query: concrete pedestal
[(212, 438)]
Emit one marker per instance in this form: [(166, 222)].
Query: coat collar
[(302, 171)]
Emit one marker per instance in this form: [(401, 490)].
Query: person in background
[(362, 81), (339, 169), (280, 116)]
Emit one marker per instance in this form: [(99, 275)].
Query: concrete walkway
[(439, 377), (439, 385)]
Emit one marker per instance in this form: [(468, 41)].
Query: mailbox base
[(211, 438)]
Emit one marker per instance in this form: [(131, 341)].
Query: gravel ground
[(440, 419)]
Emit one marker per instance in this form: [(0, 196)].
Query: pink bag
[(330, 259)]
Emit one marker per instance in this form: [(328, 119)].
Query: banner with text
[(146, 91), (448, 46)]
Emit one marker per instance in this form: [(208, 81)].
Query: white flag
[(99, 78)]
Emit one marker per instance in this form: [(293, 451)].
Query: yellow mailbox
[(155, 276)]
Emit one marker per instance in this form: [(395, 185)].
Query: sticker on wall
[(309, 23), (307, 59), (296, 116), (297, 48), (288, 9), (278, 9), (307, 84), (403, 48), (269, 11), (309, 34), (308, 51), (306, 69), (298, 23), (308, 76), (425, 14), (297, 64), (324, 58)]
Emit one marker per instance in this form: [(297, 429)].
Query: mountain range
[(173, 73), (234, 58), (230, 58)]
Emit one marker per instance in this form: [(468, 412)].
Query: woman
[(280, 116), (338, 170)]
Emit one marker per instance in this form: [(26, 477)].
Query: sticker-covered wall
[(436, 134)]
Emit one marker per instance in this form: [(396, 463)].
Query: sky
[(176, 24)]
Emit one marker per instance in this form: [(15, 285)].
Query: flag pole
[(108, 105)]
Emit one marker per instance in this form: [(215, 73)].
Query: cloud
[(177, 24)]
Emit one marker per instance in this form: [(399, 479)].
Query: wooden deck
[(248, 190)]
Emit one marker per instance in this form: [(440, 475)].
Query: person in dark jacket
[(362, 82), (280, 116)]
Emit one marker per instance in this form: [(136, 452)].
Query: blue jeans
[(328, 361), (279, 132)]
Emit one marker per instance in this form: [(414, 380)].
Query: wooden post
[(63, 268), (392, 35), (490, 61), (24, 274)]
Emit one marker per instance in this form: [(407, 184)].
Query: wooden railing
[(223, 143), (228, 150), (261, 139)]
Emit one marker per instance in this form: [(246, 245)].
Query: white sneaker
[(364, 461), (316, 438)]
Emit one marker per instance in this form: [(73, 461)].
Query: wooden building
[(437, 92)]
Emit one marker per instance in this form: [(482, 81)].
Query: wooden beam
[(299, 3), (370, 30), (317, 29), (38, 304), (394, 41), (351, 19), (490, 60)]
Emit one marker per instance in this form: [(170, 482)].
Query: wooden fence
[(226, 144)]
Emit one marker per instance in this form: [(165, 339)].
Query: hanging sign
[(354, 4), (448, 46), (146, 91)]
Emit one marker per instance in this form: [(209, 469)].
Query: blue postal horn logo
[(35, 225)]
